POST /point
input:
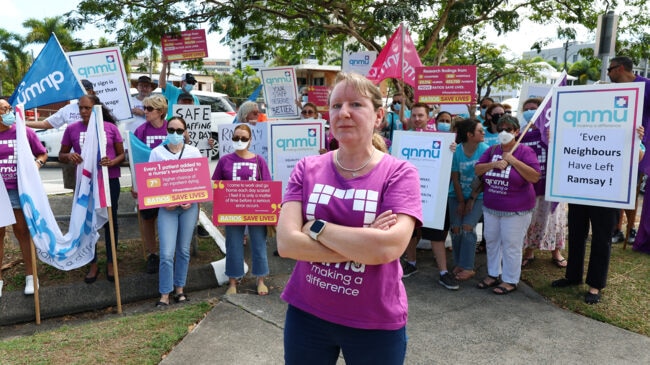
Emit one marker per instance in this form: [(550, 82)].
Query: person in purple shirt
[(151, 133), (509, 172), (244, 165), (9, 175), (347, 217), (71, 145)]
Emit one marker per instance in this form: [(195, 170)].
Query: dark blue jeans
[(311, 340)]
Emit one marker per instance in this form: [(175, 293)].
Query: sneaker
[(202, 232), (618, 237), (29, 285), (448, 281), (632, 236), (408, 269), (152, 263)]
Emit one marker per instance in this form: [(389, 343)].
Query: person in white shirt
[(145, 86), (66, 115)]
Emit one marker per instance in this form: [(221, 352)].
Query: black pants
[(603, 221), (114, 188)]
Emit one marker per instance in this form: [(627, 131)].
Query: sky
[(15, 12)]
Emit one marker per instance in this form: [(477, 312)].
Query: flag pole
[(401, 79), (115, 271), (37, 302)]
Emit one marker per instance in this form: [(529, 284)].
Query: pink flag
[(398, 59), (541, 117)]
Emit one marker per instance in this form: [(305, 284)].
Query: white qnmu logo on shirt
[(363, 200)]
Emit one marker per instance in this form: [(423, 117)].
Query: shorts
[(148, 214), (431, 233), (14, 198)]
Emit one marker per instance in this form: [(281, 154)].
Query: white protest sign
[(430, 153), (291, 140), (594, 148), (280, 92), (530, 90), (7, 218), (105, 69), (358, 62), (197, 118), (259, 141)]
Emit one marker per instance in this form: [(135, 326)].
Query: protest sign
[(189, 45), (105, 69), (319, 96), (280, 92), (259, 139), (8, 217), (445, 84), (528, 91), (594, 148), (358, 62), (173, 182), (246, 202), (291, 141), (430, 153), (197, 118)]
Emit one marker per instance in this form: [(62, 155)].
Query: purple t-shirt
[(644, 164), (75, 136), (8, 158), (349, 293), (150, 135), (233, 167), (506, 190), (533, 139)]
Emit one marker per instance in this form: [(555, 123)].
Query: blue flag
[(256, 93), (49, 80), (138, 152)]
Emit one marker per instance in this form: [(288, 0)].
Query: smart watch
[(316, 228)]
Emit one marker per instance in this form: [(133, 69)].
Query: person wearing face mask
[(175, 222), (172, 92), (8, 173), (509, 172), (483, 106), (547, 228), (492, 115), (392, 121), (244, 165)]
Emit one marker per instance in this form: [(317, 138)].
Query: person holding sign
[(172, 92), (8, 172), (175, 222), (509, 172), (244, 165), (71, 144), (346, 218)]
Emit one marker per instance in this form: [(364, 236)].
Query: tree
[(585, 70), (239, 85), (16, 62), (40, 31)]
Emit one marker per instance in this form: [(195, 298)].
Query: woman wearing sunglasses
[(509, 172), (175, 222), (244, 165), (309, 111)]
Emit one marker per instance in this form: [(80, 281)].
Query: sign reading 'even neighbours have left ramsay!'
[(191, 44), (246, 202), (173, 182)]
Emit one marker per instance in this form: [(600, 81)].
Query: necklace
[(353, 171)]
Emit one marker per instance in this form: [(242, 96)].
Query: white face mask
[(238, 146), (505, 137)]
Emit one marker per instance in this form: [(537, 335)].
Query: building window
[(575, 58)]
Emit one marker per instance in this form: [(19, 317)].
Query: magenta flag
[(542, 116), (398, 59)]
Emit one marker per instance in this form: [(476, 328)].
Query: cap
[(87, 84), (189, 78), (146, 80)]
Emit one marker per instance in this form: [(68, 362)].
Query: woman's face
[(496, 113), (85, 109), (353, 118), (479, 133), (241, 137), (176, 124), (252, 115), (152, 114), (308, 113)]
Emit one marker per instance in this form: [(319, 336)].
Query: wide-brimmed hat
[(146, 80)]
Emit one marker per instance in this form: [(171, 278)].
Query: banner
[(594, 149), (531, 90), (197, 119), (280, 92), (542, 117), (190, 45), (445, 85), (76, 248), (105, 69), (398, 57), (7, 218), (49, 80), (430, 153)]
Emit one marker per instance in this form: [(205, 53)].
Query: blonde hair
[(379, 143), (361, 85), (157, 102)]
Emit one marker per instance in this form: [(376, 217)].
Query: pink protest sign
[(191, 44), (319, 95), (246, 202), (173, 182), (445, 84)]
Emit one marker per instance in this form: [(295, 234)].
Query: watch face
[(317, 226)]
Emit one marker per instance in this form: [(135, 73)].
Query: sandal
[(262, 289), (561, 263), (527, 261), (465, 275), (161, 304), (231, 290), (502, 290), (180, 297), (484, 284)]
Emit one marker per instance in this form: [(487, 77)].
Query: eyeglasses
[(609, 69), (238, 138), (507, 129), (307, 112), (149, 108), (396, 102), (175, 130)]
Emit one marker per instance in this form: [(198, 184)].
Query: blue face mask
[(528, 115), (305, 99), (483, 111), (444, 127), (174, 138), (188, 87), (397, 107), (8, 119)]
